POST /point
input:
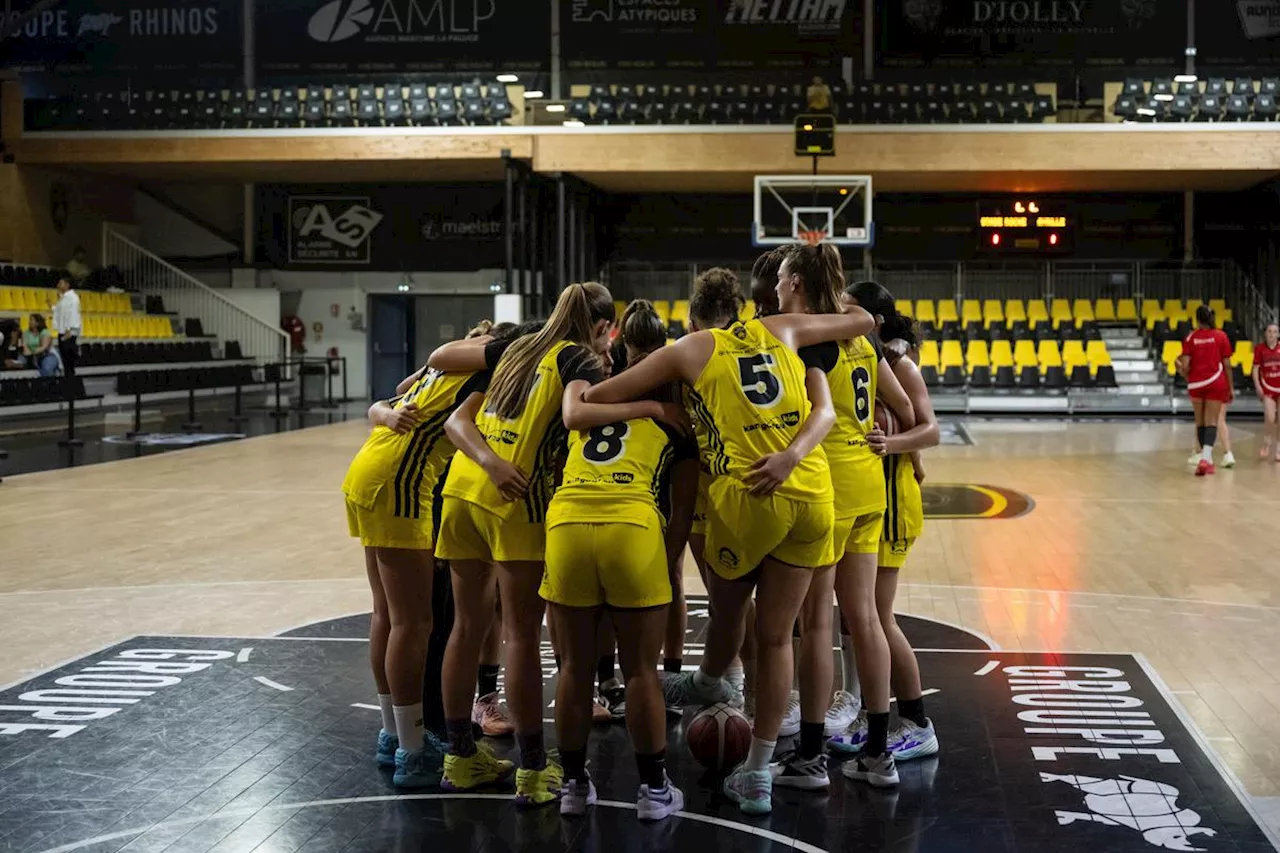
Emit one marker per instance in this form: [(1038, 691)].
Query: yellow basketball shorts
[(621, 564), (468, 531), (379, 527), (893, 555), (743, 529), (699, 526), (859, 534)]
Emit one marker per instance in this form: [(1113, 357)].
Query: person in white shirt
[(66, 319)]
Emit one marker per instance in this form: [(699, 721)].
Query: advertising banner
[(125, 36), (402, 35), (707, 33), (1238, 33), (1065, 33)]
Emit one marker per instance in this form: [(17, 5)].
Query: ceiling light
[(507, 78), (532, 93), (555, 108), (574, 123)]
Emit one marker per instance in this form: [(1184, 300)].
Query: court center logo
[(1150, 808), (331, 229), (1259, 18), (401, 21)]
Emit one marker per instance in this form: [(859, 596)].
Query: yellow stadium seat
[(1024, 354), (952, 355), (1150, 320), (1037, 312), (1059, 312), (1226, 315), (1104, 311), (1219, 306), (1192, 305), (929, 354), (663, 307), (618, 308), (947, 312), (1082, 310), (1096, 350), (748, 311), (680, 310), (1242, 355), (165, 327), (1073, 354), (6, 299), (925, 312), (89, 302), (1126, 311), (1103, 360), (970, 312), (1015, 312), (977, 355), (50, 296), (1169, 354), (1001, 354), (904, 307), (1172, 307), (1151, 306), (992, 312), (1048, 354)]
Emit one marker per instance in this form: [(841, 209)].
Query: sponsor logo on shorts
[(728, 558), (740, 332)]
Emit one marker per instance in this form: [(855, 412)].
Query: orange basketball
[(719, 737), (885, 419)]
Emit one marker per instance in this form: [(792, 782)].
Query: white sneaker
[(791, 719), (879, 772), (575, 796), (909, 741), (1229, 461), (1194, 458), (806, 774), (659, 803), (737, 678), (844, 708)]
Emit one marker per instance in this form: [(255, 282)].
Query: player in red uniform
[(1206, 364), (1266, 382)]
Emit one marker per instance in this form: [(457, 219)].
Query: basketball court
[(1099, 631)]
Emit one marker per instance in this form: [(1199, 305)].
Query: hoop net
[(812, 238)]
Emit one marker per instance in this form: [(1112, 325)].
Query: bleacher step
[(1137, 377), (1131, 364)]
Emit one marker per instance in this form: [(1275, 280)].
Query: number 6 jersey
[(750, 399)]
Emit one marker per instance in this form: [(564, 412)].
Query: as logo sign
[(340, 20), (330, 230)]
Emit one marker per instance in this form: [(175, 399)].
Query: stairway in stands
[(1137, 372)]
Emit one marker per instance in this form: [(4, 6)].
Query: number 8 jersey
[(750, 399)]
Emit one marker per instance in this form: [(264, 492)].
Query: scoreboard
[(1025, 226)]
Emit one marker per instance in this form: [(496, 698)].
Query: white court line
[(48, 669), (133, 587), (778, 838), (1138, 610), (274, 685), (987, 668), (243, 657)]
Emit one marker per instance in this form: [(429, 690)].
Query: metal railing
[(146, 273)]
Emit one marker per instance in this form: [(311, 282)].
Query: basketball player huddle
[(564, 466)]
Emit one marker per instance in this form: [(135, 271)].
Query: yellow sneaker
[(539, 787), (471, 772)]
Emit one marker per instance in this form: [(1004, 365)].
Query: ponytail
[(577, 311), (642, 328), (764, 282), (822, 272), (717, 299), (878, 302)]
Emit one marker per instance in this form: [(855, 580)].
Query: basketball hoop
[(811, 238)]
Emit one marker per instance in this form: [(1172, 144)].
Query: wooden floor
[(1124, 551)]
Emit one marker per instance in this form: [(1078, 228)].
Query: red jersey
[(1267, 360), (1207, 348)]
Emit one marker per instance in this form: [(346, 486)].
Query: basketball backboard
[(799, 208)]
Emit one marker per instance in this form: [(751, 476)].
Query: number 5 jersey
[(750, 400)]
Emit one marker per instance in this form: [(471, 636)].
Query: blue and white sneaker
[(909, 741), (852, 739), (659, 803), (679, 690), (388, 743), (752, 790), (420, 769)]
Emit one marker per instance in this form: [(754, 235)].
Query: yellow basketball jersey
[(751, 401), (412, 462), (533, 441), (856, 473), (617, 472), (904, 514)]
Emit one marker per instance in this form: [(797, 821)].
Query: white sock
[(705, 682), (388, 718), (736, 676), (760, 754), (1206, 453), (409, 726), (849, 667)]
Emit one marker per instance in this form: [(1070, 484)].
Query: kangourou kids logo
[(402, 21), (331, 229)]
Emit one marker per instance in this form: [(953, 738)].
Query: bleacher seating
[(183, 379), (328, 104), (865, 103), (31, 391), (128, 353), (1207, 100)]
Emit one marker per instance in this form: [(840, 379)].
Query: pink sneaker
[(491, 717)]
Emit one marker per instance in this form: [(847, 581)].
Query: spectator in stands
[(819, 96), (78, 267), (37, 346), (66, 319), (13, 357)]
